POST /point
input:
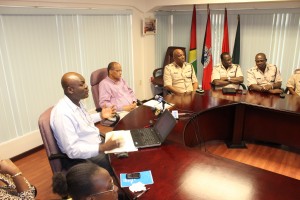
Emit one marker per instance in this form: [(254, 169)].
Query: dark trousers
[(103, 161)]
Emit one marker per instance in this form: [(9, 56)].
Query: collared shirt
[(232, 71), (115, 93), (270, 76), (294, 82), (74, 129), (180, 77)]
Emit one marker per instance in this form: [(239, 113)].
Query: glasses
[(112, 188)]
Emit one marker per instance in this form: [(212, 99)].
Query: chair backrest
[(96, 77), (53, 152)]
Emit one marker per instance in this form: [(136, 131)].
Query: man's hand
[(108, 112), (111, 144), (129, 107)]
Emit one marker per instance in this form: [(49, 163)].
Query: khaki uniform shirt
[(220, 71), (294, 82), (181, 78), (269, 77)]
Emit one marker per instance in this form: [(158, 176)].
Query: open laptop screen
[(165, 124)]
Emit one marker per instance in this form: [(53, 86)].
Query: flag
[(236, 48), (225, 44), (206, 55), (193, 42)]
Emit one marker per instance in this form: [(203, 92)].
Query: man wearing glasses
[(114, 91)]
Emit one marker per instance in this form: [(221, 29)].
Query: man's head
[(226, 59), (179, 57), (114, 71), (260, 60), (74, 86)]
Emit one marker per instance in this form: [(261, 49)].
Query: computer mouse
[(122, 155)]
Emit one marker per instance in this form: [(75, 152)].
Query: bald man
[(179, 76), (264, 77), (73, 126)]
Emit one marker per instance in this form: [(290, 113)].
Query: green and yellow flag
[(193, 42)]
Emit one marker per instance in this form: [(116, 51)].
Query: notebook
[(154, 136), (229, 90)]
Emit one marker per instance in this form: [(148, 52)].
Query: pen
[(139, 195)]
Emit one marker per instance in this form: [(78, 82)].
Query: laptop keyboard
[(146, 136)]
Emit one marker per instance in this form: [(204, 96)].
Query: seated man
[(264, 77), (293, 83), (179, 76), (113, 90), (74, 128), (227, 74)]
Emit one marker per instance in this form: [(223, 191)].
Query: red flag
[(193, 42), (225, 44), (207, 56)]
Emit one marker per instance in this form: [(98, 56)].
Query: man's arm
[(237, 80), (292, 91), (256, 87), (65, 132), (216, 78), (195, 86), (168, 81), (172, 89), (223, 81), (252, 82), (105, 94), (109, 145)]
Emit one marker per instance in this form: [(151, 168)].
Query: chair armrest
[(57, 156), (243, 86), (156, 71)]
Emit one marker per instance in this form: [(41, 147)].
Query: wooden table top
[(181, 172)]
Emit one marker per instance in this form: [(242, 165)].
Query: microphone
[(156, 111), (160, 99)]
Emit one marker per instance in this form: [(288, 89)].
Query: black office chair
[(158, 73)]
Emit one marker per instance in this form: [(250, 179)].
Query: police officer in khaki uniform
[(293, 83), (264, 77), (179, 76), (227, 74)]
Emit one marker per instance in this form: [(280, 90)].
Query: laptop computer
[(228, 90), (154, 136)]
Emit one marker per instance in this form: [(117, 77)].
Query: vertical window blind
[(273, 32), (37, 49)]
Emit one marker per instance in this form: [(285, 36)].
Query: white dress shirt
[(74, 129)]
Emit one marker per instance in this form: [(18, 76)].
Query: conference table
[(181, 169)]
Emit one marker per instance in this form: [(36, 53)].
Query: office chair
[(158, 73), (53, 152), (96, 77), (58, 161)]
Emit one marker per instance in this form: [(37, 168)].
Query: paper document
[(155, 104), (146, 178), (126, 144)]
